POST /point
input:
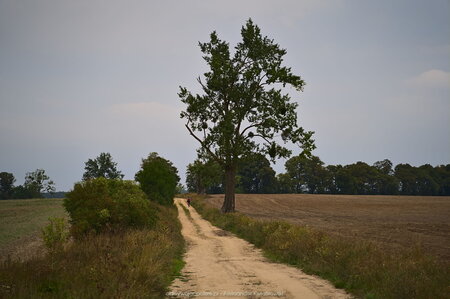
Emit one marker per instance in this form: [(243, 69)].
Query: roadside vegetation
[(101, 204), (362, 268), (120, 243), (127, 263)]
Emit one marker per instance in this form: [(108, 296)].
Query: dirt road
[(220, 265)]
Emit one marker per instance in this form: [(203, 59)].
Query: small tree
[(37, 182), (158, 178), (102, 167), (6, 185), (243, 108)]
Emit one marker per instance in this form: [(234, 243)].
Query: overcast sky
[(78, 78)]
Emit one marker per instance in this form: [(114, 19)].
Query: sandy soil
[(220, 265), (390, 221)]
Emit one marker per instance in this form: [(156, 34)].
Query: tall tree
[(101, 167), (427, 178), (202, 176), (384, 166), (6, 185), (307, 174), (444, 179), (37, 182), (363, 176), (285, 183), (243, 106), (407, 177), (256, 175), (385, 183)]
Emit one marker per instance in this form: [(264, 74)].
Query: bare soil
[(391, 221), (218, 265)]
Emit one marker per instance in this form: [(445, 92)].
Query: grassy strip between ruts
[(121, 264), (359, 267)]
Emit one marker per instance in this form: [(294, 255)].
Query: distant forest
[(310, 175)]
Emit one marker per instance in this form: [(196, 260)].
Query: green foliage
[(285, 183), (306, 173), (203, 177), (255, 175), (98, 204), (55, 234), (309, 175), (6, 185), (101, 167), (37, 182), (361, 268), (23, 192), (180, 189), (243, 107), (158, 178), (125, 263)]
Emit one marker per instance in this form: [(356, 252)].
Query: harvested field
[(391, 221)]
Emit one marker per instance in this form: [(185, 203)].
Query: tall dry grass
[(118, 264), (360, 267)]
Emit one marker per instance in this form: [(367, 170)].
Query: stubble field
[(390, 221)]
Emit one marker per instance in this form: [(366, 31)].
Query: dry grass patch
[(118, 264)]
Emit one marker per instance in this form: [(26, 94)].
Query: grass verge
[(119, 264), (359, 267)]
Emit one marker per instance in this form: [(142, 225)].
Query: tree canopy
[(6, 185), (255, 175), (202, 176), (244, 107), (158, 178), (310, 175), (37, 182), (102, 167)]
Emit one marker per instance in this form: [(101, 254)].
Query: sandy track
[(219, 265)]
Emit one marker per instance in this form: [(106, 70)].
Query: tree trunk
[(230, 185)]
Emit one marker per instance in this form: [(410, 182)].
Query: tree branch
[(249, 127), (203, 145), (263, 137)]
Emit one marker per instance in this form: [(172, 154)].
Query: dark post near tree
[(243, 108)]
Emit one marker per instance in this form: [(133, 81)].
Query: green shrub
[(55, 234), (158, 178), (100, 204)]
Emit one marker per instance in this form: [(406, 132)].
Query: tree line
[(37, 183), (309, 175), (158, 178)]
